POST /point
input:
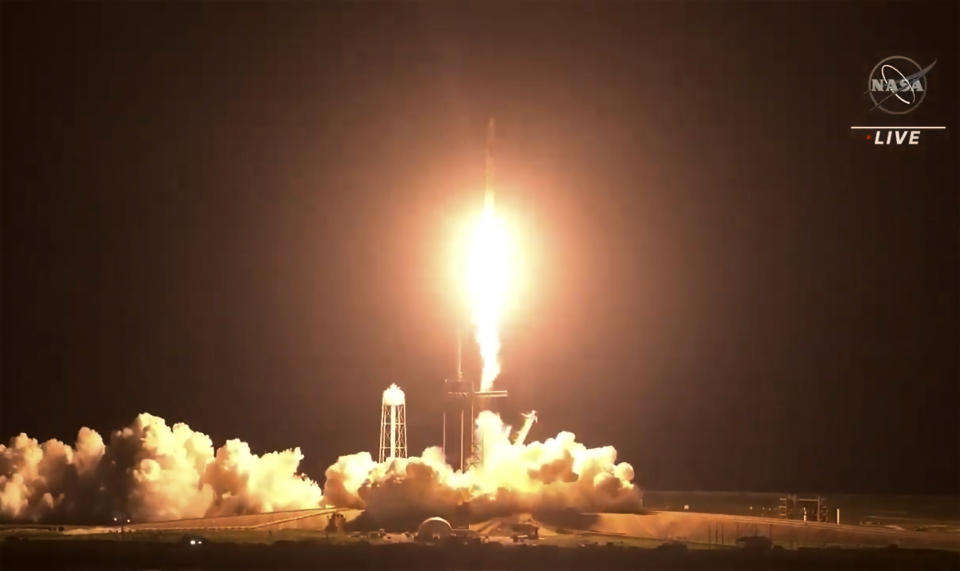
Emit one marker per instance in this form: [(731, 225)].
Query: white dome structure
[(434, 529)]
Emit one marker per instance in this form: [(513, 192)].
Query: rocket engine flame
[(490, 270), (488, 280)]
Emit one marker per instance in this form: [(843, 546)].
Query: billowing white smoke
[(148, 472), (153, 472), (510, 477)]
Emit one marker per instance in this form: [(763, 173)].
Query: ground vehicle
[(525, 531)]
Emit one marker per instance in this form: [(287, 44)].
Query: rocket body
[(489, 186)]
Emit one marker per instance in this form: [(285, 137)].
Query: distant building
[(807, 509)]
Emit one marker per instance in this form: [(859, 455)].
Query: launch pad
[(464, 403)]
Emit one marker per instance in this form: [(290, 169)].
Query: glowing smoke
[(510, 477), (148, 472), (152, 472)]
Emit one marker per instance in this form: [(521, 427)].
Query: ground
[(916, 512), (924, 531)]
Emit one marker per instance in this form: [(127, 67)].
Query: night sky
[(239, 217)]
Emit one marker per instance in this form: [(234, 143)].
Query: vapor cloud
[(149, 472), (511, 476)]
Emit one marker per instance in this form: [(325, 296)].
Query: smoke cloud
[(148, 472), (510, 477)]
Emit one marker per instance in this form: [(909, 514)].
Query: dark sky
[(238, 216)]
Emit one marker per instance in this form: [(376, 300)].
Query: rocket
[(487, 204), (462, 397), (488, 187)]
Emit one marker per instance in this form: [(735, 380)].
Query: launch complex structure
[(462, 403), (462, 399)]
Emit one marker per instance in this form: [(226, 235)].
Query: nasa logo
[(898, 85)]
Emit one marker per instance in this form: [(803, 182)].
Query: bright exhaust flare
[(488, 281)]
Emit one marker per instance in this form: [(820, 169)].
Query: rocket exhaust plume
[(488, 274)]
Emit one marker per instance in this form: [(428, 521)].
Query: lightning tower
[(393, 424)]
